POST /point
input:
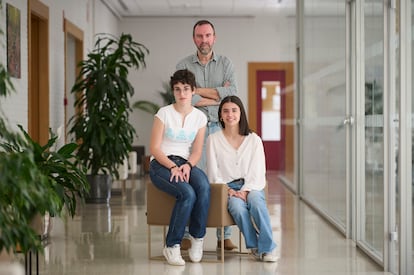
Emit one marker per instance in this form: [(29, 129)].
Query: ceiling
[(195, 8)]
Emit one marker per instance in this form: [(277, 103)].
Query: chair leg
[(123, 189), (149, 246), (222, 244), (164, 236), (240, 242), (30, 262), (27, 262), (149, 242), (37, 263)]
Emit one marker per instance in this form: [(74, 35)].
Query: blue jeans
[(192, 200), (255, 208)]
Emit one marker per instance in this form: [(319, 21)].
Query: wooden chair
[(160, 205)]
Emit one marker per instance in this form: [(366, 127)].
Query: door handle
[(349, 120)]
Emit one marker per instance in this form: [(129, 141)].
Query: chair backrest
[(160, 205)]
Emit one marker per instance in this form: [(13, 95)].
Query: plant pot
[(100, 188)]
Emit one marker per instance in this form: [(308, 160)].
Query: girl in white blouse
[(235, 155)]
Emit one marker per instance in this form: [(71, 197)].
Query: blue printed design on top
[(180, 134), (192, 135), (169, 133)]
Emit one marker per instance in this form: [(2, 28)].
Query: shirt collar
[(196, 60)]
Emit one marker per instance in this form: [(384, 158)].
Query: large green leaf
[(146, 106)]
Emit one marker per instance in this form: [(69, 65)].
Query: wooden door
[(270, 107)]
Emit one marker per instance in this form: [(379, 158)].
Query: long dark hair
[(244, 129)]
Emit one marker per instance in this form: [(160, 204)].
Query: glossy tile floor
[(112, 239)]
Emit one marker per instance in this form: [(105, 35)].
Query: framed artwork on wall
[(13, 41)]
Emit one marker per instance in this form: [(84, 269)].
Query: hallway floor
[(112, 240)]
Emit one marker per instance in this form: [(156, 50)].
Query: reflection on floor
[(112, 239)]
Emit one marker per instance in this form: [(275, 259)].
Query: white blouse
[(225, 163)]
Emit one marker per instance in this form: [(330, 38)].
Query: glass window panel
[(324, 95), (373, 210), (412, 138)]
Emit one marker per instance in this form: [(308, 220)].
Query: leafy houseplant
[(58, 171), (101, 125), (24, 193), (24, 190), (33, 182), (60, 168)]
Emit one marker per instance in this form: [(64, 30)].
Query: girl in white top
[(235, 155), (176, 146)]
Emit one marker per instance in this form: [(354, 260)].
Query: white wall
[(78, 12), (57, 53), (243, 40), (104, 20), (15, 106)]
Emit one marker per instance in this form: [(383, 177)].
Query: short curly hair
[(183, 76)]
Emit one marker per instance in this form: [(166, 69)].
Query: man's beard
[(204, 49)]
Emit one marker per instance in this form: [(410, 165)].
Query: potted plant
[(101, 125), (24, 193), (59, 166), (34, 181), (62, 174), (24, 190)]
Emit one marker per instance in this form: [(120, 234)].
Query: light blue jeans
[(255, 208), (192, 200)]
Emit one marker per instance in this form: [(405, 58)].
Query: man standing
[(215, 80)]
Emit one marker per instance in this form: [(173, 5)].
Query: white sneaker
[(269, 257), (173, 255), (264, 257), (196, 250)]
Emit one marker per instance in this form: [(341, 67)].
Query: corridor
[(112, 240)]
